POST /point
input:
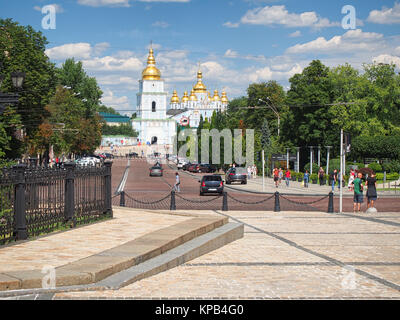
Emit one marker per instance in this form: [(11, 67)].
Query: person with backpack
[(358, 193), (177, 183), (306, 179)]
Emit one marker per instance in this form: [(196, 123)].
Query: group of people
[(252, 172), (279, 175)]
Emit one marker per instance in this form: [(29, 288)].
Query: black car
[(207, 168), (186, 166), (156, 171), (237, 174), (133, 155), (109, 155), (211, 184)]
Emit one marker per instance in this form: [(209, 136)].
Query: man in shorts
[(358, 193)]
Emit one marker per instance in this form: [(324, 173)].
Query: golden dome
[(151, 72), (216, 96), (192, 97), (209, 95), (185, 97), (224, 98), (175, 98), (200, 87)]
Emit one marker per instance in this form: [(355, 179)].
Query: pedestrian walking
[(306, 179), (351, 179), (177, 185), (249, 172), (321, 175), (333, 178), (358, 193), (254, 171), (371, 191), (276, 177), (287, 177), (280, 175)]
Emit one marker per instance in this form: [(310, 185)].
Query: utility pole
[(311, 159), (341, 173), (327, 160), (263, 169), (298, 159)]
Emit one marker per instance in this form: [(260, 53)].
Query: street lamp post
[(275, 110), (17, 79)]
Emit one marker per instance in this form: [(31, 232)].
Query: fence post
[(21, 232), (108, 196), (277, 203), (173, 204), (122, 199), (225, 201), (330, 204), (69, 196)]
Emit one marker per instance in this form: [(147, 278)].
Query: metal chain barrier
[(197, 201), (250, 203), (148, 203), (304, 203)]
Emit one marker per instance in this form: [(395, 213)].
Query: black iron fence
[(36, 200), (228, 201)]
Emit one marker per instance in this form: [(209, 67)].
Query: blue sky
[(237, 42)]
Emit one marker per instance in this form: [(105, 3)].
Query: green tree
[(23, 49)]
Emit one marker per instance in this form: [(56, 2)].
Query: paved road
[(296, 255), (143, 191)]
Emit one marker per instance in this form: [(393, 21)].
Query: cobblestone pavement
[(59, 249), (286, 256)]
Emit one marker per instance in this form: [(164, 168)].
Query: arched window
[(153, 106)]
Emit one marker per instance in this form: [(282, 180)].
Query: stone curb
[(187, 251), (104, 264)]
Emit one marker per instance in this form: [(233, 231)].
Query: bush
[(314, 176), (335, 164), (315, 167), (375, 166), (392, 167)]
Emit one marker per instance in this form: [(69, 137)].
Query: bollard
[(20, 231), (69, 193), (122, 199), (173, 204), (330, 204), (225, 201), (277, 203)]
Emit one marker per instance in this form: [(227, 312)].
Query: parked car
[(194, 168), (86, 161), (109, 155), (133, 155), (156, 171), (207, 168), (181, 163), (237, 174), (211, 184), (186, 166)]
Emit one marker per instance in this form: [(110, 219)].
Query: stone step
[(97, 267)]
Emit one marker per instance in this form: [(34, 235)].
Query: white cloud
[(351, 41), (386, 58), (109, 63), (118, 103), (295, 34), (231, 25), (279, 15), (58, 7), (100, 48), (235, 55), (71, 50), (386, 15)]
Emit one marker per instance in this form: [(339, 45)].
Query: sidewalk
[(89, 254), (295, 187)]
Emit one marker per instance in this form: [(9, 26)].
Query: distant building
[(115, 119), (155, 122)]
